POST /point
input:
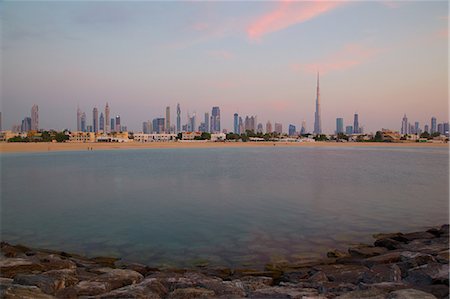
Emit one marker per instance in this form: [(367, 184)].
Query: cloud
[(221, 54), (288, 13), (349, 56)]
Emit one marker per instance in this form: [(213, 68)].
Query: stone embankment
[(410, 265)]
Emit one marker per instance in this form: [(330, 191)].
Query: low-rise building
[(218, 137), (141, 137), (82, 137), (190, 135)]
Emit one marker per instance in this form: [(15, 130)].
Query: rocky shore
[(397, 265)]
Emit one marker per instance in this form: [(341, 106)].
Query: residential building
[(433, 125), (269, 127), (292, 130), (339, 125)]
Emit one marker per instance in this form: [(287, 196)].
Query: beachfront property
[(163, 137)]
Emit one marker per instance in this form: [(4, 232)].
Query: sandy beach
[(46, 147)]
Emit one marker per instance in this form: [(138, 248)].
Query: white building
[(141, 137)]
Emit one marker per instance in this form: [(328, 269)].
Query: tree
[(18, 139), (425, 135), (378, 136), (206, 136), (342, 136), (320, 137), (436, 134), (61, 137)]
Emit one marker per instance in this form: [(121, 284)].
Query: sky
[(378, 59)]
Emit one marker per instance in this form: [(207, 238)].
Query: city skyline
[(379, 71)]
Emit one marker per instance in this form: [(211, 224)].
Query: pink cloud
[(391, 4), (200, 26), (221, 54), (349, 56), (288, 13)]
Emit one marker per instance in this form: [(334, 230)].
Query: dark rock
[(410, 294), (443, 256), (105, 261), (251, 283), (366, 294), (388, 243), (382, 273), (418, 235), (147, 289), (429, 246), (283, 292), (10, 267), (16, 291), (190, 293), (143, 269), (390, 257), (223, 273), (318, 277), (116, 278), (336, 253), (386, 286), (343, 273), (55, 262), (336, 288), (45, 283), (438, 290), (366, 251), (433, 273)]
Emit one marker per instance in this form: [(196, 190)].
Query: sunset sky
[(380, 59)]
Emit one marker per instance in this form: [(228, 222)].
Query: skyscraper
[(339, 125), (241, 125), (108, 121), (26, 124), (317, 116), (117, 124), (291, 130), (404, 129), (236, 124), (349, 130), (178, 118), (303, 129), (416, 128), (102, 122), (78, 119), (35, 118), (250, 124), (168, 119), (158, 125), (83, 122), (95, 120), (278, 128), (433, 125), (215, 120), (259, 129), (269, 127), (356, 124), (426, 129), (1, 121), (206, 122)]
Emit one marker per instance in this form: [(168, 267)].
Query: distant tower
[(35, 118), (168, 119), (206, 121), (303, 129), (178, 118), (433, 125), (404, 129), (107, 119), (269, 127), (79, 119), (95, 119), (236, 124), (83, 122), (117, 123), (102, 122), (356, 124), (339, 125), (317, 116), (215, 120)]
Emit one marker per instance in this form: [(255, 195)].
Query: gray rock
[(388, 243), (251, 283), (418, 235), (429, 273), (336, 253), (24, 292), (386, 286), (443, 256), (49, 282), (410, 294)]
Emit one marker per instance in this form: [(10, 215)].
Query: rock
[(386, 286), (433, 273), (438, 290), (251, 283), (190, 293), (24, 292), (388, 243), (143, 269), (390, 257), (318, 277), (13, 251), (366, 294), (149, 288), (9, 267), (343, 273), (283, 292), (335, 288), (105, 261), (366, 251), (444, 230), (45, 283), (418, 235), (336, 253), (382, 273), (116, 278), (443, 256), (55, 262), (410, 294), (90, 288)]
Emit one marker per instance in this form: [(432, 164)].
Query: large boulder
[(366, 251), (432, 273), (149, 288), (343, 273), (16, 291), (10, 267), (387, 258), (49, 282)]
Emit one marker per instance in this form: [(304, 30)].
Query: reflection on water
[(229, 206)]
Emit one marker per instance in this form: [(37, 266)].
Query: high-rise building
[(250, 123), (404, 129), (356, 124), (193, 123), (278, 128), (269, 127), (303, 129), (339, 125), (158, 125), (426, 129), (1, 121), (291, 130), (118, 124), (440, 128), (433, 125), (79, 119), (215, 120), (241, 126), (446, 129), (206, 122), (147, 127), (167, 119), (349, 130), (178, 118), (317, 116), (113, 125), (416, 128), (236, 124), (83, 122), (95, 120), (35, 118), (107, 119), (259, 128), (101, 126), (26, 124)]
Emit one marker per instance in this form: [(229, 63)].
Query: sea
[(229, 207)]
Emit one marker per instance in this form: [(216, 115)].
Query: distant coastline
[(49, 146)]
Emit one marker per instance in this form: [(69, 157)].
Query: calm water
[(229, 206)]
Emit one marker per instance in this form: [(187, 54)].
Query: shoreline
[(397, 265), (67, 146)]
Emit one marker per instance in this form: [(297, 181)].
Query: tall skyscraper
[(35, 118), (158, 125), (291, 130), (317, 116), (168, 119), (433, 125), (416, 128), (269, 127), (107, 119), (113, 125), (83, 122), (79, 119), (404, 129), (102, 122), (303, 129), (215, 120), (147, 127), (259, 128), (440, 128), (339, 125), (178, 118), (236, 124), (349, 130), (118, 128), (206, 122), (241, 125), (1, 121), (356, 124), (95, 120), (193, 123), (426, 129), (250, 124), (26, 124), (278, 128)]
